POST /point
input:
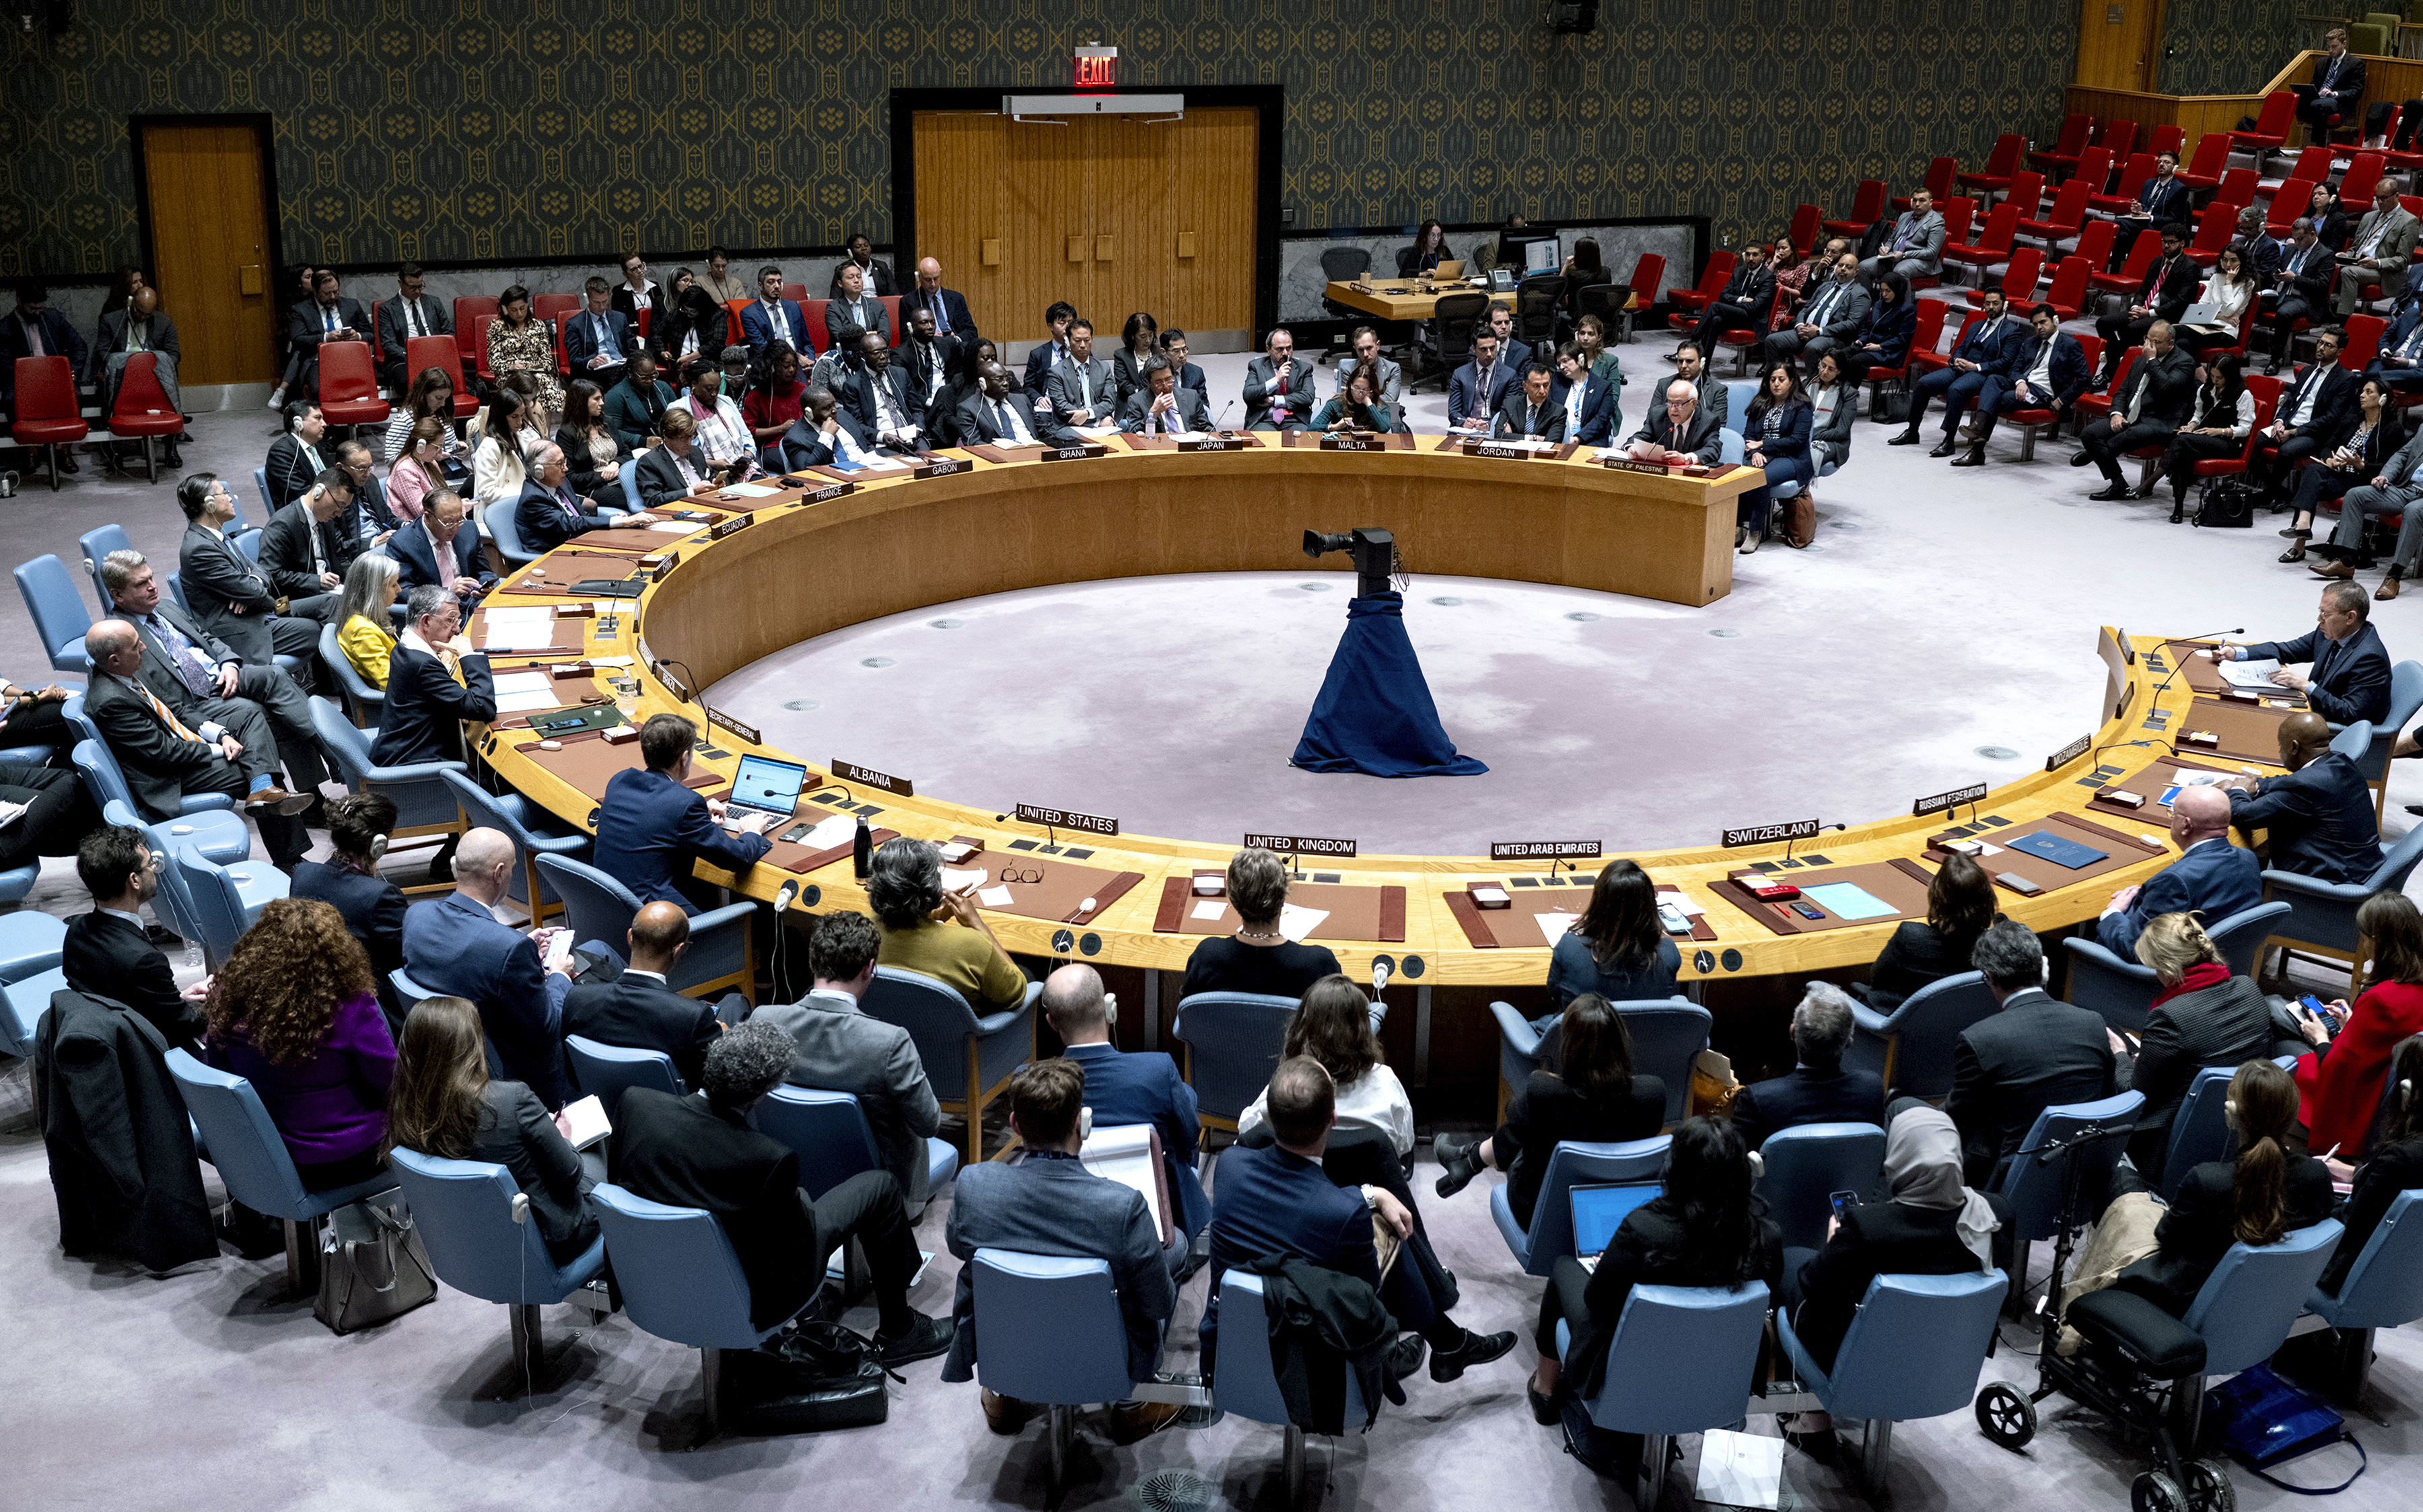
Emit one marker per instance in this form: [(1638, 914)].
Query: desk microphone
[(1821, 829), (1220, 427), (2181, 664), (1051, 835)]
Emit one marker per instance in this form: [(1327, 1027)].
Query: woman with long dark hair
[(2354, 452), (2339, 1084), (1616, 949), (776, 400), (1959, 907), (1333, 1025), (2224, 412), (431, 397), (519, 341), (1593, 1096), (1429, 250), (2395, 1165), (1139, 343), (699, 326), (1775, 438), (592, 456)]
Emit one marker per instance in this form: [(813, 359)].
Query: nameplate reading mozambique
[(1768, 834), (725, 721), (731, 526), (1953, 799), (1301, 844), (1352, 442), (1634, 465), (1073, 453), (1216, 443), (858, 775), (2068, 753), (1484, 449), (941, 468), (1542, 850), (1093, 823), (831, 491)]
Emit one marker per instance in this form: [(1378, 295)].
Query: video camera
[(1375, 556)]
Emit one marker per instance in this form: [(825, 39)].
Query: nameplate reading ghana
[(1073, 453), (1301, 844), (831, 491), (2068, 753), (1484, 448), (1542, 850), (725, 721), (1216, 443), (1940, 801), (731, 526), (1768, 834), (941, 468), (1352, 442), (1092, 824), (868, 777), (1632, 465)]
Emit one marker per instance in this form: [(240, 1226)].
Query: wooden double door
[(213, 253)]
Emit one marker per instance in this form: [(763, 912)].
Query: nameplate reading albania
[(1768, 834), (1092, 824), (868, 777), (1301, 844), (1542, 850)]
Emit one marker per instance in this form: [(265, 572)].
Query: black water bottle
[(862, 850)]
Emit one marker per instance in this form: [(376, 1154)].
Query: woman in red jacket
[(2339, 1084)]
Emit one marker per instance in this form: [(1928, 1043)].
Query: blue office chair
[(1522, 1051), (1232, 1043), (59, 614), (511, 813), (1912, 1351), (1729, 445), (177, 592), (98, 543), (2199, 1130), (363, 703), (631, 485), (1666, 1037), (600, 908), (2038, 1191), (254, 1166), (968, 1059), (425, 805), (1249, 1387), (1571, 1165), (2371, 752), (2383, 1289), (605, 1071), (22, 1002), (835, 1140), (1910, 1048), (2245, 1307), (481, 1239), (261, 486), (29, 958), (407, 991), (504, 532), (247, 543), (2321, 915), (1681, 1361), (2120, 990), (680, 1281), (1807, 1164), (1049, 1332), (224, 902)]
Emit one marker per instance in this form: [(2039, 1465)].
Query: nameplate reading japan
[(868, 777), (1768, 834), (1216, 443), (1073, 453), (1940, 801), (1301, 846), (731, 526), (1542, 850), (2068, 753), (1092, 824)]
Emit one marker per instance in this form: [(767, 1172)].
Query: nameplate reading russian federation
[(868, 777), (1542, 850), (1073, 453), (1938, 802), (1092, 824), (731, 526), (1633, 465), (724, 721), (1768, 834), (831, 491), (1301, 844), (1216, 443), (941, 468), (2068, 753), (1335, 442)]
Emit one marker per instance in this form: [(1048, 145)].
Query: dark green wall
[(2233, 46), (525, 129)]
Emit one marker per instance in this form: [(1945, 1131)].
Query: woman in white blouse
[(1333, 1025), (2224, 413), (2230, 291), (497, 470)]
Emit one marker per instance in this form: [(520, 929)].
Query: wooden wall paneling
[(2122, 55)]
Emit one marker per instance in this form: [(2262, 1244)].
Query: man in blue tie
[(1830, 315), (2350, 676), (2337, 90), (1986, 350), (770, 317), (597, 341), (2306, 268), (2162, 201)]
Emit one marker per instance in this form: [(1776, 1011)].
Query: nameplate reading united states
[(940, 467), (1768, 834), (1542, 850), (868, 777), (1216, 443), (1092, 824), (1936, 803), (2068, 753), (1073, 453), (724, 721), (1301, 844), (731, 526)]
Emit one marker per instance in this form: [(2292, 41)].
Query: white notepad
[(1130, 1154), (753, 490), (588, 1120), (997, 897), (1553, 926), (1210, 908)]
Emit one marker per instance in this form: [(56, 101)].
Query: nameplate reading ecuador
[(1768, 834), (1301, 844), (1216, 443), (724, 721), (941, 468), (2068, 753), (1073, 453), (1335, 442), (731, 526), (1542, 850), (868, 777), (1092, 824), (1936, 803)]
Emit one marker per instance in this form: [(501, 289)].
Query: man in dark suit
[(412, 312), (305, 548), (597, 341), (2379, 249), (635, 408), (1830, 315), (295, 458), (140, 326), (326, 316), (1162, 405), (33, 329), (231, 597), (1514, 352), (434, 681), (854, 303), (1050, 1205), (2338, 90), (2146, 411), (2314, 410), (1818, 1090), (1477, 391), (2303, 287), (2211, 877), (875, 275), (1050, 353), (1990, 349), (949, 307), (891, 413), (549, 512), (1173, 347), (436, 550), (1082, 389), (2051, 373), (2168, 288), (1914, 247), (1527, 414), (2162, 201), (454, 946), (2036, 1053), (1747, 297), (998, 415), (700, 1152), (636, 1011), (371, 521), (925, 357), (1278, 388), (107, 954), (1127, 1088), (1277, 1201), (770, 317), (2319, 816), (2350, 679), (651, 827), (1677, 428)]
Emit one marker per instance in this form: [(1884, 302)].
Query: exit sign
[(1097, 68)]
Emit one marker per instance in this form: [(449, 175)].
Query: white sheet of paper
[(673, 527), (609, 661), (1297, 923), (955, 877), (1553, 926), (1681, 903), (524, 702), (753, 490), (1097, 433), (524, 683), (1210, 909), (838, 830), (994, 897), (589, 1121), (2183, 778), (1740, 1469)]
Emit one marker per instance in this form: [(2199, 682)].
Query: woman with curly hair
[(1333, 1025), (293, 1013)]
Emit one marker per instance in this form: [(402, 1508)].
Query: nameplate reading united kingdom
[(941, 468), (1216, 443), (1542, 850), (858, 775), (2068, 753), (1073, 453), (831, 491), (1936, 803), (1092, 824), (1335, 442), (1301, 844), (731, 526), (1768, 834)]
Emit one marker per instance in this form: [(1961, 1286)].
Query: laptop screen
[(1544, 256), (763, 782), (1599, 1211)]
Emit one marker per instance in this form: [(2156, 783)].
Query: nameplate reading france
[(1092, 824), (731, 526), (831, 491), (1301, 846), (1936, 803), (2068, 753), (868, 777), (1542, 850), (1768, 834)]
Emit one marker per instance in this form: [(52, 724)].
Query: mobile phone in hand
[(1842, 1202)]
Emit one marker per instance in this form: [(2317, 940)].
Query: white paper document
[(526, 702), (672, 528), (995, 897), (525, 682), (838, 830), (1210, 908), (2251, 674), (1553, 926), (1295, 923), (1125, 1154), (1097, 433), (1740, 1469), (753, 490), (958, 877), (588, 1120)]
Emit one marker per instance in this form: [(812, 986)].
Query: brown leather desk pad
[(1509, 928), (2121, 848), (2193, 670), (1163, 443), (1371, 916), (1899, 882), (643, 541), (1310, 440), (2248, 732), (2149, 784), (565, 568), (793, 857), (589, 764), (1063, 887)]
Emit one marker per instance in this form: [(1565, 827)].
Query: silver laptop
[(763, 785)]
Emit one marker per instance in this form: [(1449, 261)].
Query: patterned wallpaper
[(2234, 46), (505, 129)]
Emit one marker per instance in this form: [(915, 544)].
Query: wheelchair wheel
[(2154, 1492), (2005, 1415), (2210, 1488)]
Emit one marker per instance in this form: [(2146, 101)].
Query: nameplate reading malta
[(1768, 834), (1335, 441), (1938, 802), (1092, 824), (1542, 850), (868, 777), (2068, 753), (1301, 846)]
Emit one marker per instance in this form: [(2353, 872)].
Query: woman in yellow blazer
[(362, 631)]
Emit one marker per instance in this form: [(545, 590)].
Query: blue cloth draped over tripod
[(1375, 713)]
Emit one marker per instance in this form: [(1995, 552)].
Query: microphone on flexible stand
[(2181, 664), (1221, 427)]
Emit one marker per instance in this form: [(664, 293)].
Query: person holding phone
[(2339, 1082)]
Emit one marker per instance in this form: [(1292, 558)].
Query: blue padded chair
[(1681, 1361), (1049, 1332), (2371, 753), (605, 1071), (424, 804), (2383, 1289), (407, 991), (177, 592), (1740, 391), (22, 1002), (1666, 1038), (261, 486), (1808, 1163), (631, 485), (363, 703), (1248, 1387), (600, 908), (248, 542), (1912, 1047), (102, 775), (170, 906), (225, 901), (254, 1166), (2036, 1191), (1729, 445), (505, 534), (2199, 1130), (1521, 1050), (1232, 1043), (209, 835), (98, 543), (968, 1059), (835, 1140), (59, 618), (217, 834), (1571, 1165), (2120, 990), (18, 880), (483, 810), (680, 1281), (2321, 915), (2247, 1305), (466, 1212), (1912, 1351), (29, 944)]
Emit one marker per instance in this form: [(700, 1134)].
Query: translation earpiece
[(378, 846)]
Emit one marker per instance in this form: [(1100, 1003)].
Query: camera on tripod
[(1374, 551)]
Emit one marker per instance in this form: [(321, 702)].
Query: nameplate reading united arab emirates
[(731, 526), (1092, 824), (2068, 753), (1768, 834), (1352, 442), (831, 491), (1073, 453), (1542, 850), (940, 467), (724, 721), (1940, 801), (1216, 443), (1301, 844), (868, 777)]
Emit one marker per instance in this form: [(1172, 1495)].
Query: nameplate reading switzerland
[(731, 526), (1768, 834), (1092, 824), (1542, 850), (853, 772), (1940, 801), (2068, 753), (1302, 845)]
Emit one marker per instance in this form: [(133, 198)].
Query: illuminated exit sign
[(1097, 68)]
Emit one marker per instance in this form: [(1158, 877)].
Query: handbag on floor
[(2265, 1422), (372, 1267), (2229, 504), (812, 1376), (1795, 520)]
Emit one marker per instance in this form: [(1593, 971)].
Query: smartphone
[(1842, 1202), (1808, 910), (2312, 1005)]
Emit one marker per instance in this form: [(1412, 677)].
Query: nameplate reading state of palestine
[(731, 526), (1073, 453), (1092, 824), (1542, 850), (817, 496), (940, 467), (1301, 844), (1940, 801), (725, 721), (1216, 443), (868, 777), (1768, 834), (1633, 465), (2068, 753), (1352, 442)]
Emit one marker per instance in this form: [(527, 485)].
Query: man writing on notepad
[(2350, 675)]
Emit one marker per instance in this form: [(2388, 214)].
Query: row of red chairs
[(50, 415)]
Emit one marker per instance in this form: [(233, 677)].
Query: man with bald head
[(2319, 816), (1135, 1087), (639, 1011), (950, 307), (454, 946), (2211, 877)]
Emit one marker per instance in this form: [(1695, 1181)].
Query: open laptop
[(766, 787), (1448, 268), (1599, 1211)]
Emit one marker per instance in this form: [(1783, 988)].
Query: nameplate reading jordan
[(731, 526), (831, 491), (1490, 449), (941, 468), (1334, 442), (1216, 443), (1633, 465), (1542, 850), (1768, 834), (1301, 844), (725, 721), (1093, 823), (1073, 453), (1936, 803), (2068, 753), (868, 777)]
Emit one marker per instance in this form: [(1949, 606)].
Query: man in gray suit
[(1831, 313), (1917, 245), (1678, 430), (1367, 354), (1278, 388), (233, 598), (1082, 388), (840, 1050), (2378, 251), (1161, 405), (1049, 1205), (139, 327)]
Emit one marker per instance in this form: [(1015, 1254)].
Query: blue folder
[(2046, 845)]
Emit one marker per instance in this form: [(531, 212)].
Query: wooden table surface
[(1404, 299)]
